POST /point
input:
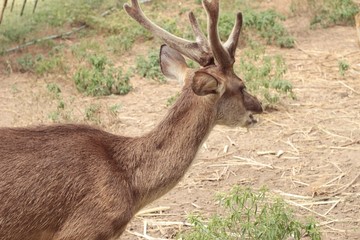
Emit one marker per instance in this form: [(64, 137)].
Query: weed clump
[(343, 67), (264, 74), (246, 214), (333, 12), (101, 78), (268, 25), (42, 64), (149, 67)]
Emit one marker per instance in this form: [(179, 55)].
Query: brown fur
[(67, 181), (78, 182)]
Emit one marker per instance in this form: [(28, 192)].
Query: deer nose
[(252, 103)]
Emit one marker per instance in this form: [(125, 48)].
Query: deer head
[(216, 77)]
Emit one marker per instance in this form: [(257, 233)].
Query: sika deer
[(79, 182)]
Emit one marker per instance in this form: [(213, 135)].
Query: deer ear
[(204, 83), (172, 63)]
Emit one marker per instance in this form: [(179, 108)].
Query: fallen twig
[(55, 36)]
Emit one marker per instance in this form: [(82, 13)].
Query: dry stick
[(333, 180), (332, 207), (222, 156), (151, 210), (36, 2), (23, 7), (351, 143), (12, 5), (310, 203), (348, 87), (292, 195), (144, 236), (44, 39), (333, 134), (61, 35), (165, 223), (343, 188), (3, 10), (308, 209), (253, 162)]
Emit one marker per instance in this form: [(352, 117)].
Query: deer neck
[(168, 150)]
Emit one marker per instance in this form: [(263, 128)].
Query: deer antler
[(198, 51), (233, 39), (221, 55)]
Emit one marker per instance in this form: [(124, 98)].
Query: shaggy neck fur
[(167, 151)]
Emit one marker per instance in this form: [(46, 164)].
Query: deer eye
[(242, 88)]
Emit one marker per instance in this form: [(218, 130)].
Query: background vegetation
[(91, 59)]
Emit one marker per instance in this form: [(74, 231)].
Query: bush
[(149, 67), (268, 25), (246, 214), (264, 75), (102, 78), (333, 12)]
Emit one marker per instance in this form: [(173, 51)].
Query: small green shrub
[(246, 214), (333, 12), (343, 67), (54, 89), (149, 67), (92, 113), (26, 63), (263, 74), (123, 32), (119, 44), (41, 64), (114, 109), (60, 111), (101, 78), (49, 14), (268, 25), (85, 48), (49, 64), (226, 23)]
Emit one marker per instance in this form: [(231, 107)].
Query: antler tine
[(199, 35), (221, 55), (233, 39), (193, 50)]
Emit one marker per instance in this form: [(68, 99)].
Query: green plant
[(268, 25), (41, 64), (171, 100), (101, 78), (114, 109), (60, 112), (49, 15), (263, 74), (54, 116), (49, 64), (119, 43), (333, 12), (149, 67), (85, 48), (343, 67), (54, 89), (246, 214), (26, 63), (226, 22), (92, 113)]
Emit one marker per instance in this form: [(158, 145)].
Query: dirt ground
[(318, 134)]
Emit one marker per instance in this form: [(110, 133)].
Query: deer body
[(100, 178), (78, 182)]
